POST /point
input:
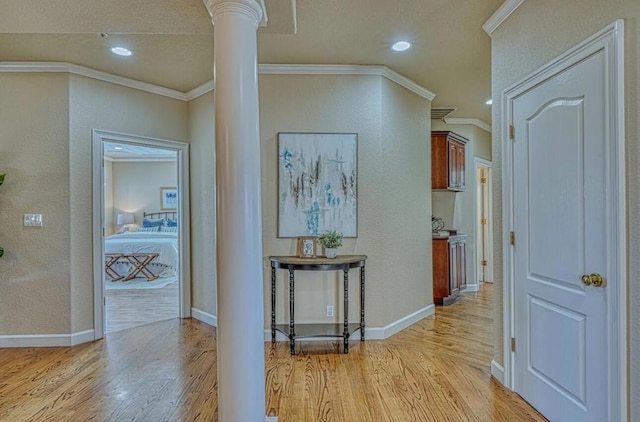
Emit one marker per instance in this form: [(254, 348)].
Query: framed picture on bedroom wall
[(317, 184), (168, 198)]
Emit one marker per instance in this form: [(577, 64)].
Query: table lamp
[(124, 219)]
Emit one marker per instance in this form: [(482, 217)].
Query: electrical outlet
[(33, 220), (329, 310)]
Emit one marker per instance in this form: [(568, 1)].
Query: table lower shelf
[(318, 330)]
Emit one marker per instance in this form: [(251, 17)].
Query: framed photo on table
[(307, 246), (168, 198)]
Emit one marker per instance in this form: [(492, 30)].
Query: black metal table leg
[(346, 308), (362, 303), (292, 301), (273, 303)]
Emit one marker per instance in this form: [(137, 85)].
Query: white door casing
[(564, 200), (184, 271), (484, 241)]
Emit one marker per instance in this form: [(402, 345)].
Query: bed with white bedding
[(165, 244)]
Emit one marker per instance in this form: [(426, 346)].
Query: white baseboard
[(371, 333), (471, 288), (47, 340), (497, 371), (402, 323), (82, 337), (204, 317)]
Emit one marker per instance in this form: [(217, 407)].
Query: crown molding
[(468, 121), (334, 69), (500, 15), (326, 69), (200, 90), (263, 69), (61, 67)]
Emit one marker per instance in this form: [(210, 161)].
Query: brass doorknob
[(594, 280)]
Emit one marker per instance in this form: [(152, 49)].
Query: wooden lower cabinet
[(449, 268)]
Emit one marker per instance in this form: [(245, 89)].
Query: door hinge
[(483, 221), (104, 301), (513, 344), (512, 238), (483, 263), (512, 132), (483, 180)]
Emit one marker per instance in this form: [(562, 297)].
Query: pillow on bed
[(169, 229), (153, 222), (172, 222), (147, 229)]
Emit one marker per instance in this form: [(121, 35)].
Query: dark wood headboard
[(161, 214)]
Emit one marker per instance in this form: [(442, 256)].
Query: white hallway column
[(241, 365)]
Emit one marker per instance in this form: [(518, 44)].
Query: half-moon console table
[(294, 331)]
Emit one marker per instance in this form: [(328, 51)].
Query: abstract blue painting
[(317, 184)]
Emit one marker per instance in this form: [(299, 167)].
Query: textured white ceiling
[(172, 40)]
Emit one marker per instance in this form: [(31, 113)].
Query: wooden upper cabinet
[(447, 160)]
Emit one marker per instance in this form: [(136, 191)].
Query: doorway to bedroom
[(140, 275), (140, 244)]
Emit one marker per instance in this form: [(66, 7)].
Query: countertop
[(449, 236)]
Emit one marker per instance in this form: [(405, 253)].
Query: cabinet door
[(454, 269), (447, 161), (456, 165), (460, 169), (441, 270), (453, 164), (462, 264)]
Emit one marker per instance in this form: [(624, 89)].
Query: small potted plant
[(331, 241)]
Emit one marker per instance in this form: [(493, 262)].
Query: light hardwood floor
[(436, 370), (133, 308)]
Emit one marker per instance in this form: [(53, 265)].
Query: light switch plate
[(33, 220)]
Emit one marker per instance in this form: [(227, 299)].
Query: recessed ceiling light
[(489, 101), (401, 46), (121, 51), (118, 148)]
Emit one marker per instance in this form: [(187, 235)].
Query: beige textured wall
[(136, 187), (404, 200), (482, 143), (458, 209), (34, 146), (100, 105), (203, 206), (353, 104), (533, 35)]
